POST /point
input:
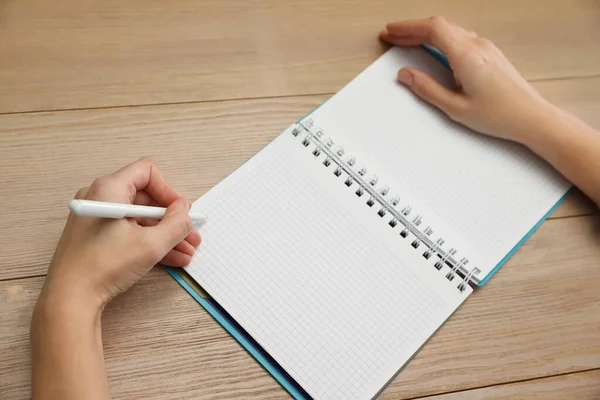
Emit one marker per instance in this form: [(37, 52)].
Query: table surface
[(200, 87)]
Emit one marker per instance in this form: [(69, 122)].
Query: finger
[(147, 222), (176, 258), (431, 91), (193, 238), (434, 30), (143, 199), (144, 175), (173, 228), (185, 247), (400, 40)]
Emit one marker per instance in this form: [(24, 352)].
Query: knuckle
[(438, 24), (81, 193), (458, 111), (147, 161), (99, 187), (483, 43), (185, 226), (98, 184), (481, 54), (437, 20)]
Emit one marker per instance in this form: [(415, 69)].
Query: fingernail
[(405, 77)]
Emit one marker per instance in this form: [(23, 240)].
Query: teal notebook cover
[(223, 318), (284, 379)]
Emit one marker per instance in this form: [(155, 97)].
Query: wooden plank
[(539, 316), (50, 155), (575, 204), (69, 54), (580, 386)]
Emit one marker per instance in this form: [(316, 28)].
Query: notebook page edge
[(398, 371)]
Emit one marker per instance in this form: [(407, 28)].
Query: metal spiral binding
[(368, 186)]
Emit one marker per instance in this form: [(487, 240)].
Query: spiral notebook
[(341, 247)]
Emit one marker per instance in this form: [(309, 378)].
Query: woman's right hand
[(491, 96)]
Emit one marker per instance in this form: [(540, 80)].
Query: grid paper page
[(489, 192), (335, 306)]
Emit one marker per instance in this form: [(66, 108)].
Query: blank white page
[(482, 194), (323, 284)]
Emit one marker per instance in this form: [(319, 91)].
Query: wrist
[(537, 120), (66, 345), (550, 125), (63, 304)]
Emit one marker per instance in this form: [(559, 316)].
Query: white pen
[(102, 209)]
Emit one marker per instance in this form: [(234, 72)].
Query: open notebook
[(345, 243)]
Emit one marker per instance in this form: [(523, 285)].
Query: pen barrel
[(113, 210)]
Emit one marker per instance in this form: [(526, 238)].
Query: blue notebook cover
[(222, 317), (235, 330)]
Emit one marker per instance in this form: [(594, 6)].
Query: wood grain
[(47, 156), (69, 54), (539, 316), (580, 386)]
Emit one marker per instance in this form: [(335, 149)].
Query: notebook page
[(482, 194), (324, 285)]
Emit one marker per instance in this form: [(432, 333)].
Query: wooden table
[(88, 86)]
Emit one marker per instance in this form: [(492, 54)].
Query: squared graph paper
[(336, 308)]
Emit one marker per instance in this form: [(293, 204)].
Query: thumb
[(431, 91), (173, 228)]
